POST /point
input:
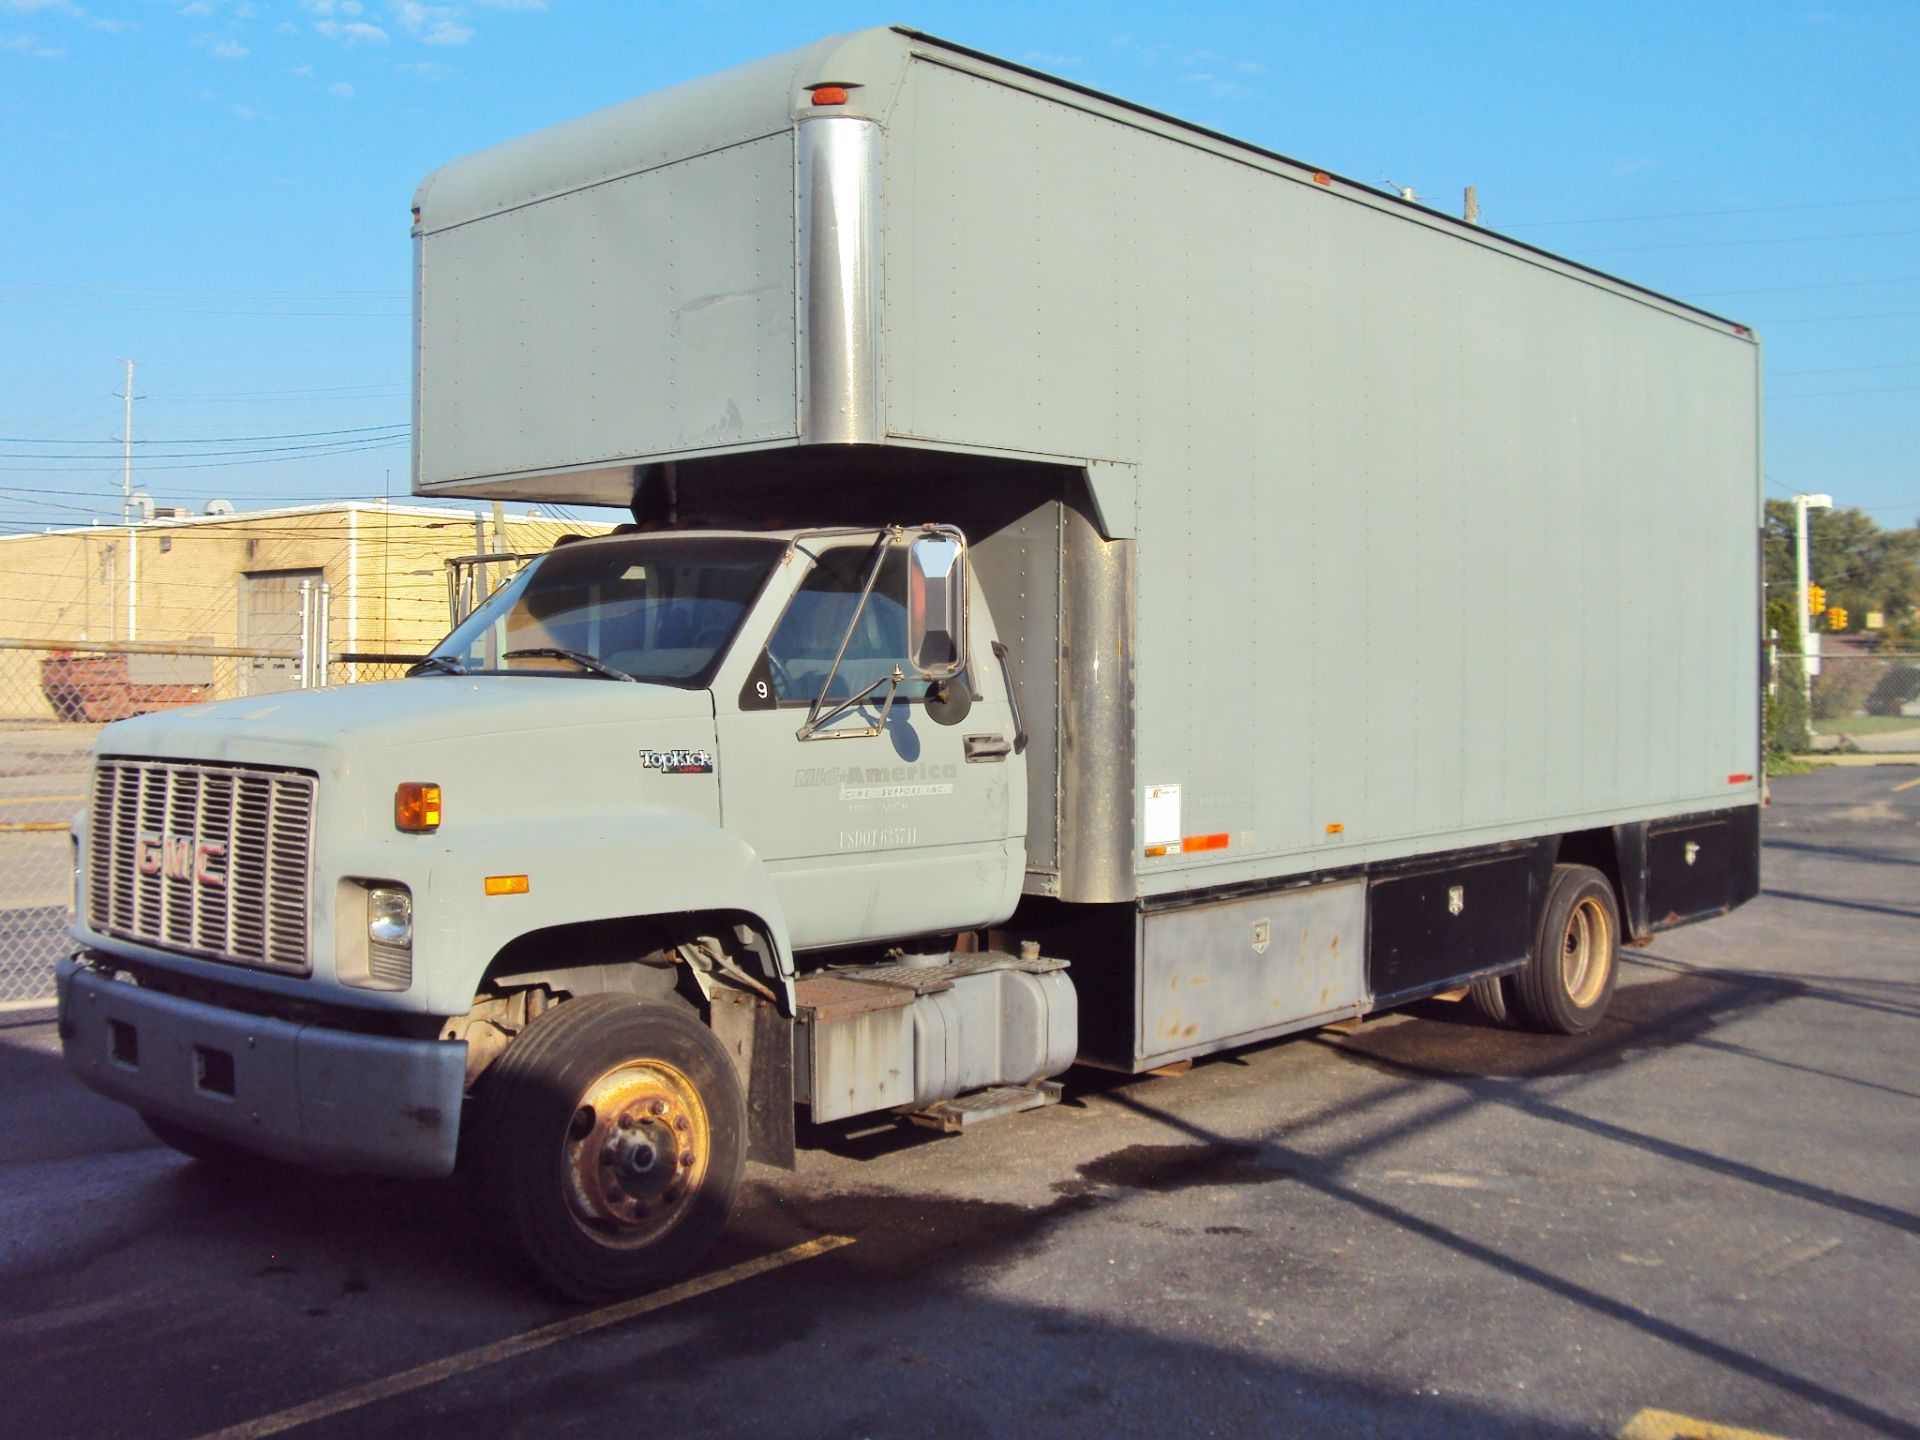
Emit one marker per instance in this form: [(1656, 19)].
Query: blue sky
[(219, 189)]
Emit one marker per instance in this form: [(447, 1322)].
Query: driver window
[(809, 634)]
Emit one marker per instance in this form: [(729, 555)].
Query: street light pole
[(1809, 642)]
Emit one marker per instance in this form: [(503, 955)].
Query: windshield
[(659, 608)]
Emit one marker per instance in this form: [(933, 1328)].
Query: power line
[(323, 446), (1849, 369), (191, 292), (1717, 244), (207, 439), (1822, 394), (1711, 214), (319, 453), (1788, 289), (1822, 319)]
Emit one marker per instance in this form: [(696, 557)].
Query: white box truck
[(1097, 591)]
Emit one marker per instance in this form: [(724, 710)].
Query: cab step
[(963, 1112)]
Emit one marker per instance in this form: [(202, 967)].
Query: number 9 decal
[(760, 689)]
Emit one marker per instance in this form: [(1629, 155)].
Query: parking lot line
[(421, 1376), (1905, 785), (1665, 1425)]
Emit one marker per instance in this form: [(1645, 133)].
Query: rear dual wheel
[(609, 1143), (1569, 978)]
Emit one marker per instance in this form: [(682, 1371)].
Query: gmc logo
[(179, 858)]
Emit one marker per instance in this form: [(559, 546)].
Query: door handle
[(987, 747)]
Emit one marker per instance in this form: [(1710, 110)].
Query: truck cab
[(694, 769)]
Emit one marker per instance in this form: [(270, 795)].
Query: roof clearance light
[(829, 94), (416, 806), (1320, 177)]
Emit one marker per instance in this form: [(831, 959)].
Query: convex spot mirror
[(937, 604)]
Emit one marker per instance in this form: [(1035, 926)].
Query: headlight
[(389, 916)]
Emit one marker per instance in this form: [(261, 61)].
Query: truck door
[(917, 828)]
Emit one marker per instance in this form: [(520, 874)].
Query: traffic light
[(1816, 599), (1836, 618)]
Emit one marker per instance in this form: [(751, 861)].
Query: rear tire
[(609, 1142), (1492, 998), (1569, 978)]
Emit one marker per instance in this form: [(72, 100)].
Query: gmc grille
[(210, 860)]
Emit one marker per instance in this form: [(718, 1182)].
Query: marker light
[(416, 806), (829, 94), (506, 884)]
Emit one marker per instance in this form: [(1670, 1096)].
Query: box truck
[(1098, 592)]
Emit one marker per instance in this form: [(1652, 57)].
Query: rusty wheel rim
[(1584, 952), (637, 1150)]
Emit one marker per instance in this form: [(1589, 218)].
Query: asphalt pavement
[(1705, 1213)]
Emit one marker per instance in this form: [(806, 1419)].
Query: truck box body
[(1346, 530)]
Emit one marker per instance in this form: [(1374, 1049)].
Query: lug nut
[(629, 1120), (682, 1125), (686, 1160), (658, 1107)]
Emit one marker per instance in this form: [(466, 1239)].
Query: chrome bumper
[(331, 1099)]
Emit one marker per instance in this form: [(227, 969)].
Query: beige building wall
[(384, 566)]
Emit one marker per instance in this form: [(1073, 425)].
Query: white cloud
[(303, 69), (65, 10), (431, 24), (225, 49), (514, 4), (424, 69), (354, 32), (31, 45), (241, 112), (341, 89)]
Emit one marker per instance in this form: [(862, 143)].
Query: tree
[(1862, 566)]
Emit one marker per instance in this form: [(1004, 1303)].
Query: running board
[(965, 1111)]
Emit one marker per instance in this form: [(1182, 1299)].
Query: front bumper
[(331, 1099)]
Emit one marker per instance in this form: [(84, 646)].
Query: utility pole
[(126, 512), (1471, 214), (1809, 642), (126, 454)]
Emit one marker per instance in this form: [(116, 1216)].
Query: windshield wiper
[(579, 657), (437, 664)]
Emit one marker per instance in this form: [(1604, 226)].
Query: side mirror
[(937, 604)]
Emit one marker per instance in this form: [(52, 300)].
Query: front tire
[(1569, 978), (609, 1143)]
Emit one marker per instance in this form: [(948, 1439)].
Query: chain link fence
[(55, 698), (1864, 702)]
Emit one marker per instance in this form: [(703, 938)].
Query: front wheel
[(609, 1143), (1569, 978)]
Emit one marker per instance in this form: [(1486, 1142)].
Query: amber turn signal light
[(829, 94), (416, 806)]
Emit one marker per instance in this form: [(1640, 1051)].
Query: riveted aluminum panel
[(1235, 971), (649, 314), (1442, 541)]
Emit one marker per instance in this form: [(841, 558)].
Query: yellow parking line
[(1905, 785), (31, 827), (435, 1371), (1665, 1425)]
